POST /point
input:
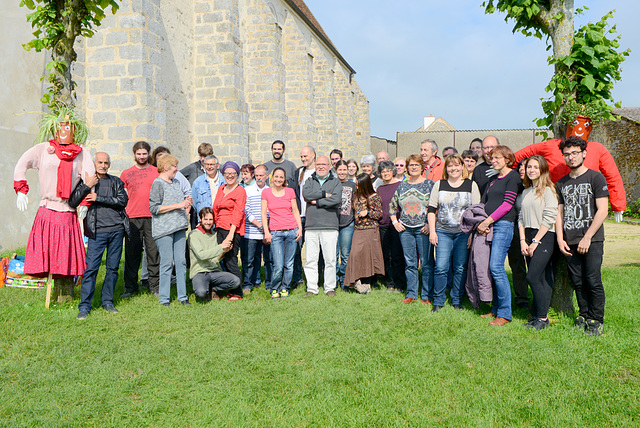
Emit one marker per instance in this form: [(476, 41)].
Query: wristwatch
[(535, 241)]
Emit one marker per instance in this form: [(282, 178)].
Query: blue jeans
[(254, 251), (283, 251), (112, 241), (416, 246), (344, 248), (451, 255), (172, 250), (298, 269), (502, 235)]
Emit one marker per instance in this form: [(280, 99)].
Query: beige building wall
[(238, 74), (21, 91)]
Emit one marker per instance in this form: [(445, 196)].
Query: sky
[(414, 58)]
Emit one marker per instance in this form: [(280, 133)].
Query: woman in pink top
[(228, 209), (282, 229)]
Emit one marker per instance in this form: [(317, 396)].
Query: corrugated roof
[(631, 113), (305, 13)]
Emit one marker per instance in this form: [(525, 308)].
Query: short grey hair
[(387, 165), (368, 160), (434, 145), (212, 157)]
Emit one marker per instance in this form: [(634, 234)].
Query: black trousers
[(230, 258), (140, 231), (540, 275), (518, 270), (584, 273), (393, 258)]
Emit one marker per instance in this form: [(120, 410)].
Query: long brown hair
[(545, 178), (364, 189)]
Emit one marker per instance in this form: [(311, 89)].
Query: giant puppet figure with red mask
[(598, 159), (55, 245)]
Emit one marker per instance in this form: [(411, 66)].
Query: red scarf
[(66, 153)]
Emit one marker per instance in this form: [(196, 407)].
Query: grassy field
[(348, 361)]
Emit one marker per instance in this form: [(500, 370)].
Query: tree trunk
[(65, 53)]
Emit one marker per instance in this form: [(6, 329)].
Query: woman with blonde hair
[(537, 236), (450, 197)]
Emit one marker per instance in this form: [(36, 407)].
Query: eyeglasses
[(399, 164), (415, 165), (230, 174), (572, 154), (322, 164)]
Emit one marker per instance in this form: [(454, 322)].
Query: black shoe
[(110, 308), (457, 307), (185, 303), (594, 328), (82, 315), (538, 324), (436, 308), (580, 323), (127, 294), (166, 304), (529, 323)]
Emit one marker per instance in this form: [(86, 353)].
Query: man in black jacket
[(105, 226)]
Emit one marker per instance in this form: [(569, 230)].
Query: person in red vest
[(598, 159)]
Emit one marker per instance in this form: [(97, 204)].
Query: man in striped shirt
[(254, 235)]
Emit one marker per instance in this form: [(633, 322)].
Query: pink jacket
[(38, 157)]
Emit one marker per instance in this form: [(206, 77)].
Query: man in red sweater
[(137, 182)]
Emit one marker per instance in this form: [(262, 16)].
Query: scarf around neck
[(66, 153)]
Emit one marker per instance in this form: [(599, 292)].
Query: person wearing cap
[(228, 209)]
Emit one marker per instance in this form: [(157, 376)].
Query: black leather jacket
[(118, 202)]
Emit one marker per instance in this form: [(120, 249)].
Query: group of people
[(454, 219)]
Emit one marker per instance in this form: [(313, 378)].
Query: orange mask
[(65, 134), (580, 127)]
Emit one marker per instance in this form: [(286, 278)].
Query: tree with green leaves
[(57, 24), (586, 61)]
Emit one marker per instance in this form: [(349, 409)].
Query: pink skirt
[(55, 245)]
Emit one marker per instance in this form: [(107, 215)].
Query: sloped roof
[(631, 113), (305, 13), (439, 124)]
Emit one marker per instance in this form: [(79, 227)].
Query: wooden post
[(49, 285)]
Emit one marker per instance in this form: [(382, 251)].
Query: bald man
[(105, 225)]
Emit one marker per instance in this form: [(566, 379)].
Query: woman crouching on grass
[(537, 236), (450, 197), (282, 230), (365, 258)]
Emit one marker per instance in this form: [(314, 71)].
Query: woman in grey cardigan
[(169, 209)]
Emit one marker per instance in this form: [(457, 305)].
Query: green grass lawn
[(351, 360)]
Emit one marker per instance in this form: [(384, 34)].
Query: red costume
[(598, 159)]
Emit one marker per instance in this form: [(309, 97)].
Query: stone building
[(238, 74)]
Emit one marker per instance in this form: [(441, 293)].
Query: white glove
[(618, 216), (491, 172), (22, 202), (82, 212)]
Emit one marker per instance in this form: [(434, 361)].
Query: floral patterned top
[(413, 201), (370, 221)]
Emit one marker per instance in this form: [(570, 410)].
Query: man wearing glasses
[(582, 207), (206, 186)]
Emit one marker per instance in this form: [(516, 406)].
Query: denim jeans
[(283, 250), (451, 255), (254, 251), (112, 241), (502, 235), (172, 250), (345, 235), (298, 269), (416, 246)]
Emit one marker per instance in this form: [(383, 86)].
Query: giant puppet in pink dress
[(55, 243)]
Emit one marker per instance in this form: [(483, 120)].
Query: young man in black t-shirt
[(582, 208)]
